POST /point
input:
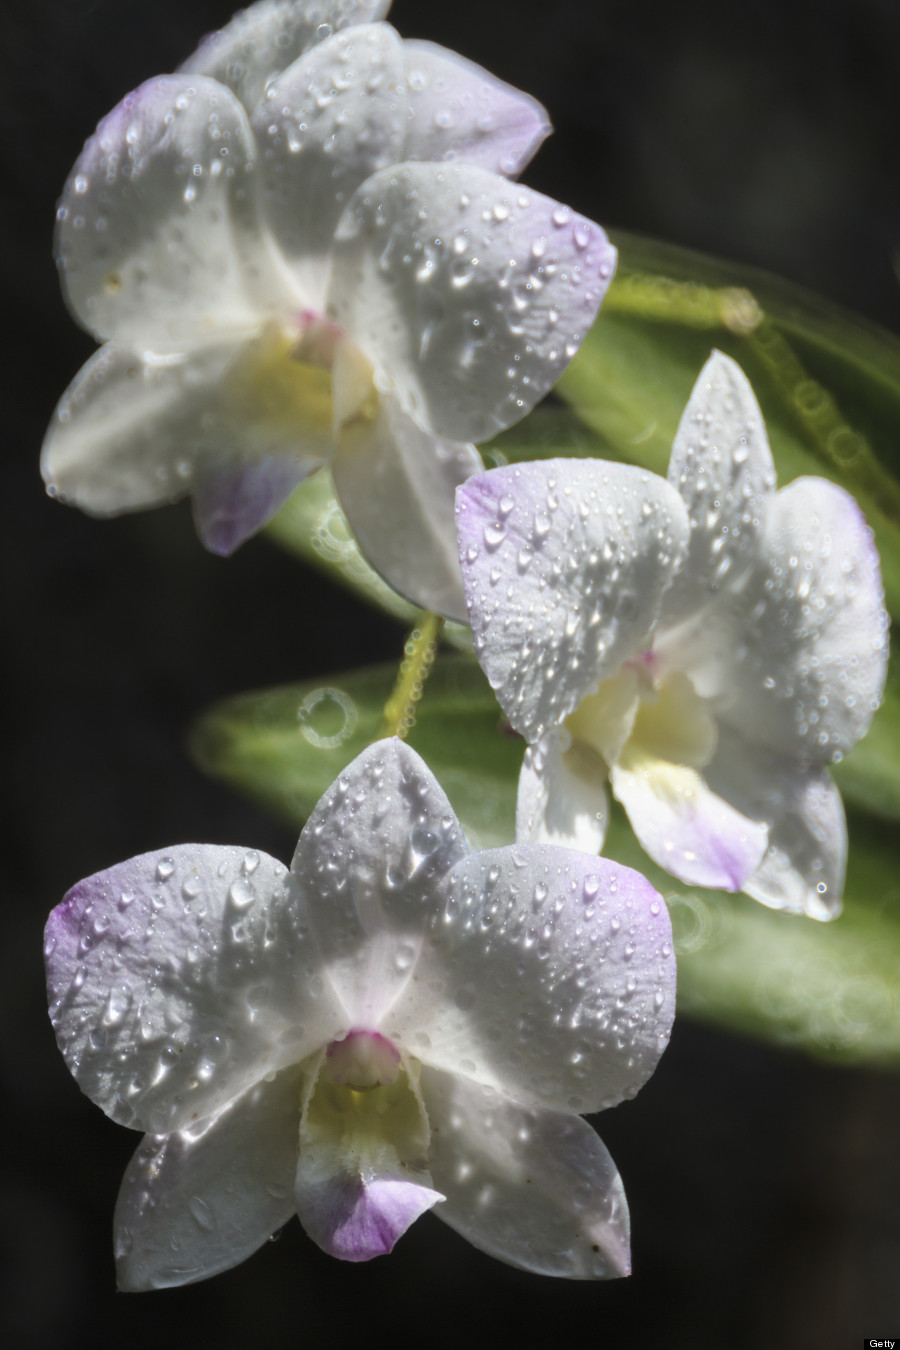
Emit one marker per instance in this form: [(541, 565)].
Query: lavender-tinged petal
[(396, 484), (232, 501), (155, 215), (687, 829), (181, 978), (200, 1201), (813, 628), (562, 795), (371, 860), (534, 1188), (722, 466), (458, 111), (356, 1218), (131, 430), (548, 975), (323, 127), (565, 563), (467, 293), (262, 41), (803, 868)]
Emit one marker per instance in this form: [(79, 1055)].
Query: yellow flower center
[(640, 717), (363, 1107), (299, 383)]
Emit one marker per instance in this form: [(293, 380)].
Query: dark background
[(765, 1189)]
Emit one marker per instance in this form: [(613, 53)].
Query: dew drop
[(241, 894)]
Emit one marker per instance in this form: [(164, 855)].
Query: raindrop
[(241, 894), (404, 957), (465, 997)]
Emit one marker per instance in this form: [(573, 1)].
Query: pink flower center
[(361, 1061)]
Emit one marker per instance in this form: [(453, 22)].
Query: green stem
[(418, 657)]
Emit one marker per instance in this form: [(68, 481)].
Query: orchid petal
[(534, 1188), (262, 41), (370, 861), (324, 126), (684, 826), (803, 869), (722, 466), (561, 795), (458, 111), (234, 501), (440, 272), (564, 566), (395, 483), (356, 1218), (199, 1201), (179, 979), (547, 975), (153, 215), (814, 636), (130, 431)]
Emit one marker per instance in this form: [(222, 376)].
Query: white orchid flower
[(393, 1024), (304, 248), (705, 643)]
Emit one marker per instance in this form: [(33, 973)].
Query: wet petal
[(564, 565), (803, 868), (262, 41), (685, 827), (130, 431), (467, 293), (370, 860), (561, 795), (534, 1188), (722, 466), (458, 111), (324, 126), (179, 979), (814, 631), (548, 976), (356, 1218), (154, 215), (234, 501), (200, 1201), (396, 485)]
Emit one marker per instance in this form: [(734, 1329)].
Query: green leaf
[(832, 989), (827, 381)]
